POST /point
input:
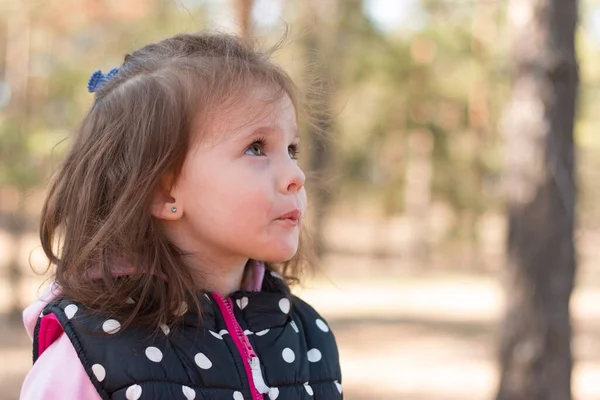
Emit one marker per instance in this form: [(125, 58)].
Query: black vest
[(199, 359)]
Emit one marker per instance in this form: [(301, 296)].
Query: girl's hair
[(96, 218)]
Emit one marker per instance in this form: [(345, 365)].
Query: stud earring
[(174, 209)]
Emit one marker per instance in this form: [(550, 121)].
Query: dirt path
[(435, 339)]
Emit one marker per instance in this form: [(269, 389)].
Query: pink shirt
[(43, 381)]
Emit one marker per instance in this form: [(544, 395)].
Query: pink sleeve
[(58, 374)]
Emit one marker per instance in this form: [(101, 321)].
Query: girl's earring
[(174, 209)]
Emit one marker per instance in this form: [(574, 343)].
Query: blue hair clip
[(98, 79)]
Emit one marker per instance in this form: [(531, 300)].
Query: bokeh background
[(408, 210)]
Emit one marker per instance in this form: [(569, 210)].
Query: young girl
[(174, 225)]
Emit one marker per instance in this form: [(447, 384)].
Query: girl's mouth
[(291, 218)]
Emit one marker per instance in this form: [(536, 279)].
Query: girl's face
[(238, 182)]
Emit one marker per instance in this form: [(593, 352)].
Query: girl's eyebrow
[(269, 130)]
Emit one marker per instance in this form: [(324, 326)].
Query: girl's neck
[(224, 280), (251, 280)]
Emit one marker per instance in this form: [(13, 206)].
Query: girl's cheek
[(303, 200)]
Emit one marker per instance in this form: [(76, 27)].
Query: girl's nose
[(293, 179)]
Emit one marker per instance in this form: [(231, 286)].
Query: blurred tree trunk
[(318, 136), (160, 12), (322, 43), (535, 357), (417, 194), (484, 34), (17, 66), (16, 225), (244, 15)]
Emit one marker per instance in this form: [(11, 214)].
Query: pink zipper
[(241, 341)]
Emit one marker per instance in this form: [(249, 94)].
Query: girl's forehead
[(256, 111)]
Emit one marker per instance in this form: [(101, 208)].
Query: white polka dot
[(273, 393), (339, 387), (314, 355), (183, 308), (295, 327), (262, 333), (242, 303), (130, 301), (99, 372), (288, 355), (308, 389), (70, 310), (42, 314), (284, 305), (238, 396), (111, 326), (223, 332), (133, 392), (154, 354), (166, 330), (202, 361), (248, 333), (276, 275), (322, 325), (215, 334), (188, 392)]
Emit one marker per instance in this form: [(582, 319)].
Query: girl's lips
[(291, 218), (289, 221)]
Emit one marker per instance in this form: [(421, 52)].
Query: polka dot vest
[(296, 356)]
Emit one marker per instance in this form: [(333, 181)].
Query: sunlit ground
[(434, 339)]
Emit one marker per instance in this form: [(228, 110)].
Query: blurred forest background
[(418, 161)]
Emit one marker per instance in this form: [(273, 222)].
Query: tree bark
[(417, 194), (244, 14), (17, 72), (535, 354), (320, 157)]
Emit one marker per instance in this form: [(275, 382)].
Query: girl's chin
[(279, 256), (274, 248), (275, 259)]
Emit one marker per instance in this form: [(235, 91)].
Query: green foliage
[(442, 79)]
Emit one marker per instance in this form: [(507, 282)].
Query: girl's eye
[(256, 148), (293, 151)]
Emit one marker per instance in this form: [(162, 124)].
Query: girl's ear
[(163, 204)]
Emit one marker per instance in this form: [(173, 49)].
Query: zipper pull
[(248, 346), (257, 376)]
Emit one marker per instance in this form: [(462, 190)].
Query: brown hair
[(96, 214)]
